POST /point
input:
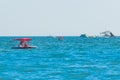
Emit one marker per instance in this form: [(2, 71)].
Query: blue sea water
[(72, 58)]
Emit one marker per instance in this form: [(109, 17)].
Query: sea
[(71, 58)]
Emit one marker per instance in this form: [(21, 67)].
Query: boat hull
[(30, 47)]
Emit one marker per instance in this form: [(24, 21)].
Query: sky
[(58, 17)]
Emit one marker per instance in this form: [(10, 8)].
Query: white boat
[(107, 34)]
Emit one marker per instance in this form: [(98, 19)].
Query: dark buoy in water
[(60, 38)]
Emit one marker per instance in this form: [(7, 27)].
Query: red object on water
[(60, 37), (23, 39), (23, 42)]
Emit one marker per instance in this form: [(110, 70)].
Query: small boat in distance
[(24, 43), (83, 36), (60, 38), (107, 34)]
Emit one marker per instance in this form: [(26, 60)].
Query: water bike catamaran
[(24, 43)]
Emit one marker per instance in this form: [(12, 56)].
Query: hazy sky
[(59, 17)]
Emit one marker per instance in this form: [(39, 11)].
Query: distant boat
[(60, 37), (23, 43), (107, 34), (83, 35)]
